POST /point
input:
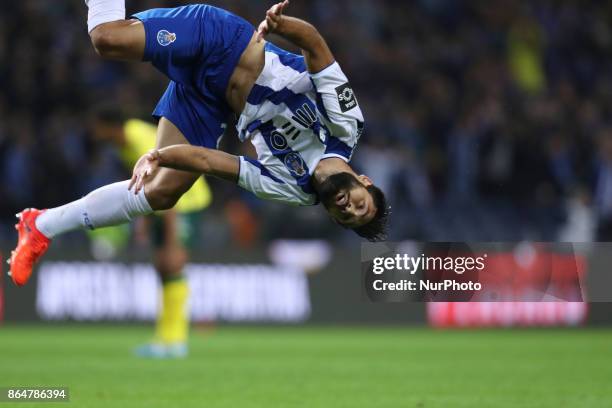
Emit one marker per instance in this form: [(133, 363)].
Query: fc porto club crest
[(165, 37), (295, 164)]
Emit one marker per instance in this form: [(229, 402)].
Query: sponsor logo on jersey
[(346, 97), (278, 141), (165, 37), (305, 116), (291, 131), (295, 164)]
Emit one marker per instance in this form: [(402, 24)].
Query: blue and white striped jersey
[(295, 119)]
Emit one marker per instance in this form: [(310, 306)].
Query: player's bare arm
[(186, 158), (301, 33)]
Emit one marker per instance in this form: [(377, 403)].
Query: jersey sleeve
[(341, 113), (257, 178)]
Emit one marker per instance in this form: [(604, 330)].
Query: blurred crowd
[(485, 120)]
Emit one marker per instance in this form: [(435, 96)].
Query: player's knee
[(170, 260), (161, 202), (161, 198), (106, 40)]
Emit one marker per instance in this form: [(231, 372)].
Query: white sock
[(104, 11), (110, 205)]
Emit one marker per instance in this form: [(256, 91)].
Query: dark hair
[(376, 229)]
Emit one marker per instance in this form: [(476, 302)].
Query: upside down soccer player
[(299, 112)]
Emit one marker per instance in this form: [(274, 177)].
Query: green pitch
[(315, 367)]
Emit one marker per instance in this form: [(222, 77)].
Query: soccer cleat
[(162, 351), (31, 245)]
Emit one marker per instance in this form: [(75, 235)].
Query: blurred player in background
[(300, 113), (171, 231)]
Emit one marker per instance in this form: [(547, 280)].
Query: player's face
[(347, 199)]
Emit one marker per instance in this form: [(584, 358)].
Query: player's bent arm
[(200, 160), (304, 35), (316, 52)]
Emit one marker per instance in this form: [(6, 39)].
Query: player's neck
[(330, 166)]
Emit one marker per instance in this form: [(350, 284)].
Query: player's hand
[(144, 168), (273, 18)]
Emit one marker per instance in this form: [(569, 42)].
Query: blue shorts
[(197, 47)]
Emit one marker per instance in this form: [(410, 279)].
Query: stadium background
[(485, 121)]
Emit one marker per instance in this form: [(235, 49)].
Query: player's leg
[(114, 204), (169, 38), (110, 205), (164, 188), (123, 40), (172, 39), (111, 35), (172, 323), (170, 256)]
